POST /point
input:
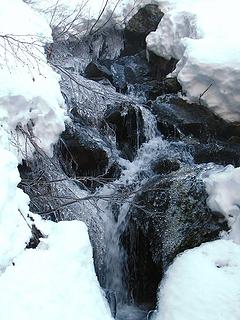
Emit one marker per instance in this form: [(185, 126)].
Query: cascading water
[(134, 174), (106, 213)]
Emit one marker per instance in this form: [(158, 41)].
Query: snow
[(30, 95), (89, 13), (202, 283), (202, 35), (55, 281), (223, 187), (14, 232)]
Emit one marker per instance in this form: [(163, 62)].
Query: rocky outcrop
[(217, 152)]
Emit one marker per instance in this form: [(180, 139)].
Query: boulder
[(169, 216), (176, 116), (130, 70), (159, 66), (139, 26), (164, 166), (80, 154)]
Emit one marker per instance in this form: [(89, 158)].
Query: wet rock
[(139, 26), (127, 122), (165, 166), (218, 152), (176, 116), (112, 301), (157, 88), (80, 154), (97, 71), (171, 85), (160, 67), (130, 70), (169, 216)]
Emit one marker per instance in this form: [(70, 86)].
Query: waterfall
[(115, 215)]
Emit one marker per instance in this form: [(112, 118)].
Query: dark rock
[(170, 216), (171, 85), (159, 66), (175, 116), (113, 172), (139, 26), (157, 88), (96, 70), (218, 152), (80, 154), (127, 122), (165, 166), (112, 301)]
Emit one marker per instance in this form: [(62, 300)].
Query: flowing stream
[(108, 216), (134, 174)]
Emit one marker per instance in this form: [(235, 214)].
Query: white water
[(114, 214)]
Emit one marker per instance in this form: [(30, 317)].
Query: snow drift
[(202, 283), (57, 280), (223, 187), (30, 95), (202, 35)]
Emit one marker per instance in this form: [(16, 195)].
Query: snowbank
[(202, 35), (30, 95), (223, 188), (55, 281), (14, 232), (202, 283)]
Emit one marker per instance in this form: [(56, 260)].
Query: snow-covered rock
[(78, 17), (223, 187), (202, 35), (202, 283), (55, 281), (30, 95)]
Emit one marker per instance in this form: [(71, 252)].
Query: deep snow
[(57, 280), (202, 283), (223, 187), (202, 35)]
